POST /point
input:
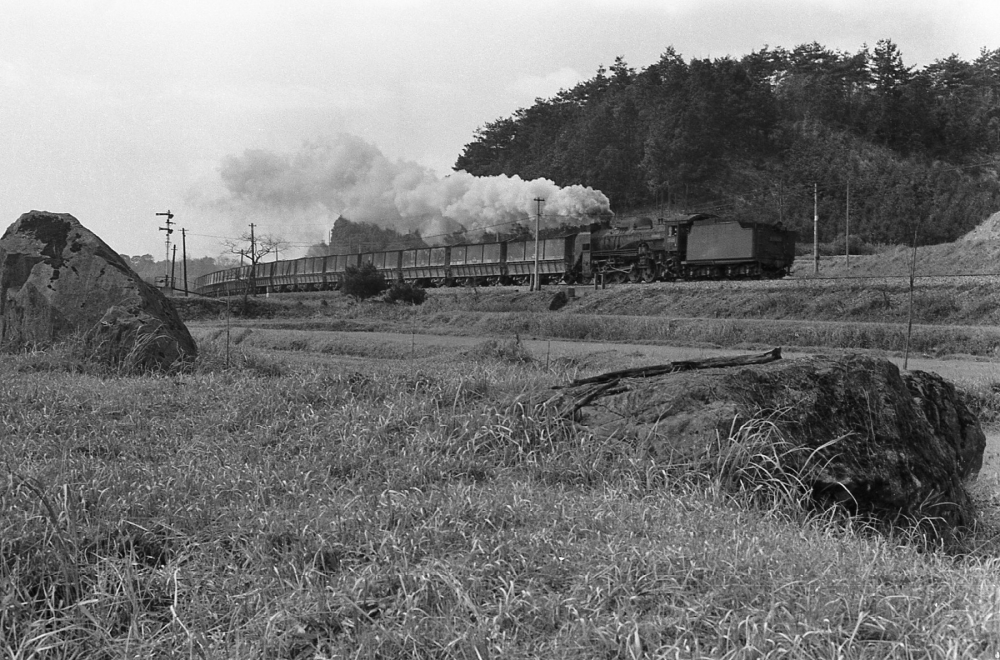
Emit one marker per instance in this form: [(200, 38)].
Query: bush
[(363, 282), (837, 247), (407, 293)]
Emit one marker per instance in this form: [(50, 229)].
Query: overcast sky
[(116, 110)]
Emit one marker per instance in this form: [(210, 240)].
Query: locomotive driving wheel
[(651, 274)]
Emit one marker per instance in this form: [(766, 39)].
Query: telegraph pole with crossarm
[(169, 230)]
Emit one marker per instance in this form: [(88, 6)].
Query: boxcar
[(387, 263), (310, 274), (477, 263), (336, 265), (284, 275), (425, 266), (555, 259), (263, 276)]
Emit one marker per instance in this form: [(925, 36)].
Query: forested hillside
[(750, 138), (151, 270)]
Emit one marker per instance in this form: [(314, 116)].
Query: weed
[(503, 350)]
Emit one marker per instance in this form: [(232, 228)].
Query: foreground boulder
[(858, 431), (58, 278)]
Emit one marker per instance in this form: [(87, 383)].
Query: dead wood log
[(584, 391), (680, 365)]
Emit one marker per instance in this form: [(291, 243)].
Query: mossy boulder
[(58, 279), (875, 439)]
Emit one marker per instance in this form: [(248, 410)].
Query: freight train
[(700, 246)]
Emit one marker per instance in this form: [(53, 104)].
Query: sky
[(288, 114)]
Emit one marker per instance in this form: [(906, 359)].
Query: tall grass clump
[(509, 350), (982, 396), (135, 353)]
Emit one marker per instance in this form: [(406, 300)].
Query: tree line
[(755, 138)]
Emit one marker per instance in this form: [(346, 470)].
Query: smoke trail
[(350, 177)]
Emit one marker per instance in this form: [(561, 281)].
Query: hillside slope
[(976, 253)]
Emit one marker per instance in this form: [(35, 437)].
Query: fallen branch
[(680, 365), (584, 391)]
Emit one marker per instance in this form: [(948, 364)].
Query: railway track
[(792, 282)]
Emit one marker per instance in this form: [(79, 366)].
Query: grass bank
[(948, 318)]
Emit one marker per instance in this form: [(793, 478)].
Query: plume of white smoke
[(347, 176)]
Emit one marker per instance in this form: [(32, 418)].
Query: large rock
[(58, 278), (875, 439)]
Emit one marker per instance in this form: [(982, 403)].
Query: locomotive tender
[(699, 246)]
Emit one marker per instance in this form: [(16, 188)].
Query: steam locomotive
[(700, 246)]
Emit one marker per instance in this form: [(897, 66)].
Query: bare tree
[(254, 247)]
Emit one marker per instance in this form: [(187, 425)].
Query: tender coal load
[(58, 278), (855, 429)]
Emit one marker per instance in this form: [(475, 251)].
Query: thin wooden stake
[(909, 319), (227, 332)]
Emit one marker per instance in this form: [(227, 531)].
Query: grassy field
[(955, 318), (296, 500)]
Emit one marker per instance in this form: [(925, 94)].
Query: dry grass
[(271, 508), (949, 318)]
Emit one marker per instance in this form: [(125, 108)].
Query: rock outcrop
[(861, 432), (58, 278)]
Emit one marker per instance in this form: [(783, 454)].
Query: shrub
[(838, 247), (407, 293), (363, 282)]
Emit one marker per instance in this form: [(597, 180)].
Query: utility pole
[(847, 230), (815, 229), (173, 269), (537, 286), (169, 230), (253, 262), (184, 256), (909, 315), (781, 204)]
